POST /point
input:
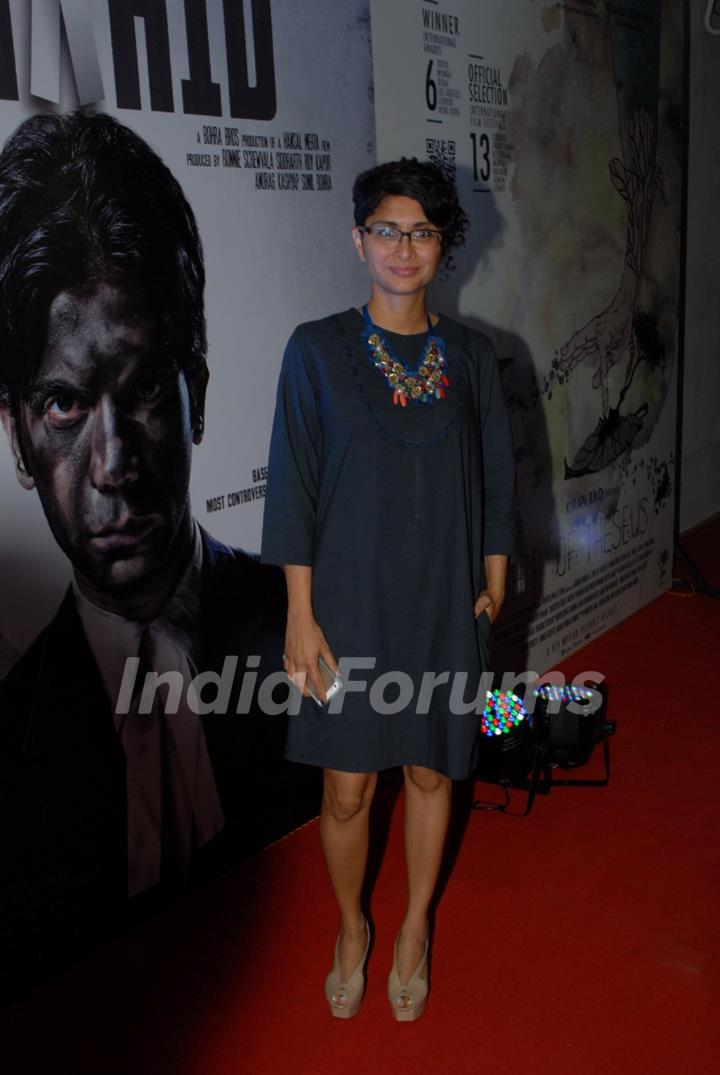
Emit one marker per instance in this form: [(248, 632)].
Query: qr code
[(441, 151)]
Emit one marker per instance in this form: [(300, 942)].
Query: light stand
[(559, 731)]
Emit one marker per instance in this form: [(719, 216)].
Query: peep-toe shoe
[(408, 1001), (345, 998)]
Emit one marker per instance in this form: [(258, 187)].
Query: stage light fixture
[(505, 741), (504, 711), (559, 730), (570, 721)]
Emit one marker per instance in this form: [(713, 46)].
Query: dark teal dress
[(394, 509)]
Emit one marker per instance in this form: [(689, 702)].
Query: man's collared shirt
[(177, 745)]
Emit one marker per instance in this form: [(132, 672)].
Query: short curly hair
[(422, 181)]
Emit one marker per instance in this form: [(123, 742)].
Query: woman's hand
[(489, 601), (304, 643)]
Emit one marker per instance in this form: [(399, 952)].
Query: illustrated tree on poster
[(622, 332)]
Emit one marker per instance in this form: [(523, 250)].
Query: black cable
[(491, 807), (501, 808), (699, 583)]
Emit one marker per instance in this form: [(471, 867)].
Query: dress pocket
[(483, 625)]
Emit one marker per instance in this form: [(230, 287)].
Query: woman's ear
[(358, 241)]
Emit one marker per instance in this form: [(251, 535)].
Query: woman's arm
[(501, 530), (304, 640), (292, 491), (492, 597), (291, 508)]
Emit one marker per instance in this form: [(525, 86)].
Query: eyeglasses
[(389, 234)]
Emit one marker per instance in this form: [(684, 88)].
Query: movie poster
[(137, 411), (561, 122)]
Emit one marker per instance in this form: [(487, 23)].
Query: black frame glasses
[(393, 234)]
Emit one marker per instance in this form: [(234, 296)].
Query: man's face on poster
[(106, 437)]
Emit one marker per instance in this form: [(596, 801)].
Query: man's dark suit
[(62, 770)]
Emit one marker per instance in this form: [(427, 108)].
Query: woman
[(391, 486)]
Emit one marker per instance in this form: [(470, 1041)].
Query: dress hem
[(377, 769)]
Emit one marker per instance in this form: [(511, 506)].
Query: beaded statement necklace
[(429, 381)]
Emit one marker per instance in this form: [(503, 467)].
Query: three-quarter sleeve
[(501, 526), (294, 464)]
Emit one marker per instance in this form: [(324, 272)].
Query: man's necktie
[(173, 803)]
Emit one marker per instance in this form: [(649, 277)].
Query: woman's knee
[(427, 780), (347, 794)]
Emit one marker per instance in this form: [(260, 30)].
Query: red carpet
[(583, 939)]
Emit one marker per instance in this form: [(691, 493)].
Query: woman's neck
[(407, 315)]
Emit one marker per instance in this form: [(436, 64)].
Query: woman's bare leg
[(344, 837), (428, 797)]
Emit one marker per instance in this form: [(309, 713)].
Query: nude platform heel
[(350, 993), (408, 1001)]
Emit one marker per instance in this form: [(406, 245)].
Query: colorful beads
[(422, 385)]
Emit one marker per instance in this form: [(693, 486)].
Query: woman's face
[(404, 267)]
